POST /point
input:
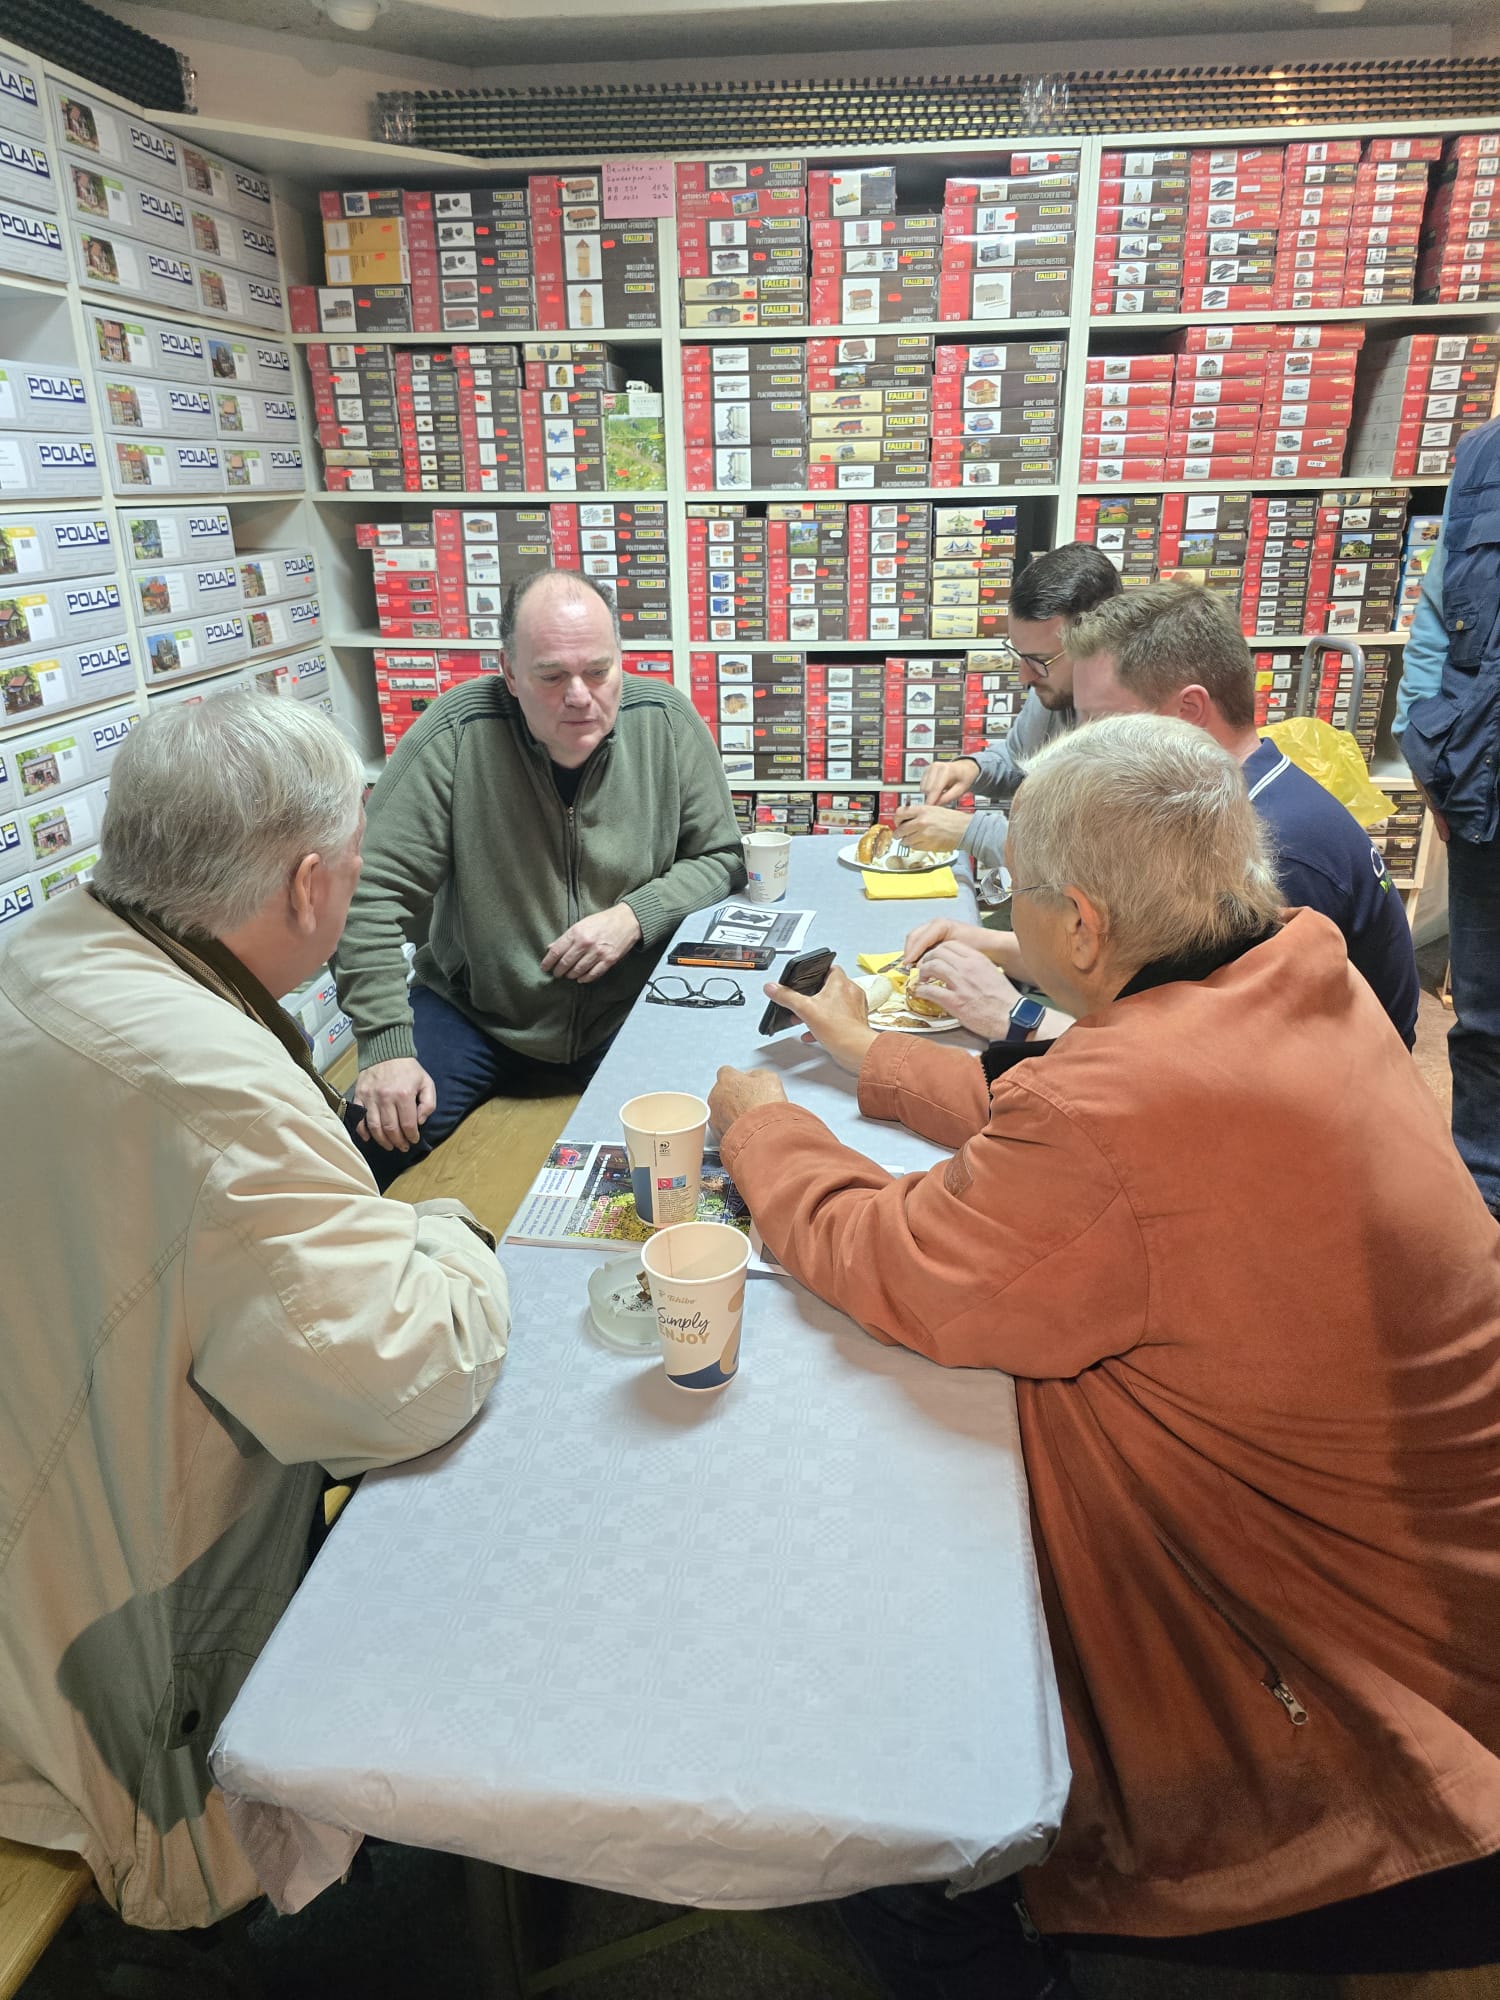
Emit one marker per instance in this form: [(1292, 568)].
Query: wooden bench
[(39, 1890)]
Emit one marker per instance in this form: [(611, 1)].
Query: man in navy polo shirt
[(1175, 649)]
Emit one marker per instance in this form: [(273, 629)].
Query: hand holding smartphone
[(804, 974)]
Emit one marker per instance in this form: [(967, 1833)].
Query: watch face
[(1027, 1014)]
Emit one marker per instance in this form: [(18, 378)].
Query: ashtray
[(620, 1306)]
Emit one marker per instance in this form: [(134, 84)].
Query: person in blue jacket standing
[(1448, 725)]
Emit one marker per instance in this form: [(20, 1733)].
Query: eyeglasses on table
[(673, 991)]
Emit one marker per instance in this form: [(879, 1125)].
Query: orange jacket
[(1251, 1297)]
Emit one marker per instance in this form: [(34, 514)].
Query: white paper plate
[(850, 857), (896, 1021)]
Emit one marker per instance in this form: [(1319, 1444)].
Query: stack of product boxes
[(1277, 674), (1140, 232), (1230, 244), (200, 606), (925, 715), (870, 267), (817, 567), (1385, 227), (997, 414), (193, 410), (1312, 249), (1271, 402), (46, 450), (1358, 563), (745, 416), (993, 696), (1423, 534), (480, 240), (591, 271), (1127, 414), (31, 240), (585, 428), (1008, 242), (1399, 838), (395, 419), (726, 551), (1418, 396), (871, 398), (63, 641), (315, 1008), (1460, 262), (152, 218), (54, 782), (742, 242), (973, 565)]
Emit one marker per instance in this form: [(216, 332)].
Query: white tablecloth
[(758, 1648)]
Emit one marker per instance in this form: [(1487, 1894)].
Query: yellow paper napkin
[(935, 884), (877, 961)]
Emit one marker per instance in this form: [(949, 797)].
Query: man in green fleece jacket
[(540, 836)]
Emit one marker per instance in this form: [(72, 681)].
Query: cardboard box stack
[(997, 414), (1009, 242), (1140, 232), (817, 571), (591, 270), (898, 535), (1127, 414), (444, 575), (1312, 248), (63, 640), (1423, 533), (742, 242), (993, 694), (745, 415), (726, 574), (191, 409), (1460, 261), (199, 606), (31, 241), (1419, 394), (872, 399), (1277, 674), (1385, 228), (870, 265), (54, 783), (432, 419), (46, 443), (1358, 558), (1264, 402), (925, 722), (1399, 838), (408, 683), (973, 566), (788, 812), (153, 218)]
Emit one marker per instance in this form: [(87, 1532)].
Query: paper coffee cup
[(696, 1272), (664, 1139), (767, 861)]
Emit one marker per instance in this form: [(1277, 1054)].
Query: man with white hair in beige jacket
[(206, 1302)]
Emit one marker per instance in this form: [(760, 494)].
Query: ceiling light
[(357, 15)]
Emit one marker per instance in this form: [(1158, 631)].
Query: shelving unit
[(300, 164)]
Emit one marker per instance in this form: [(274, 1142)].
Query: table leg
[(497, 1947)]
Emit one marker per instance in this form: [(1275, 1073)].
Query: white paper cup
[(664, 1137), (696, 1272), (767, 860)]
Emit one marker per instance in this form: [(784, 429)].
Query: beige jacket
[(203, 1301)]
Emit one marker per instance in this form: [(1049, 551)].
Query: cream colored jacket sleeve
[(338, 1327)]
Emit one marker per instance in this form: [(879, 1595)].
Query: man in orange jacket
[(1220, 1236)]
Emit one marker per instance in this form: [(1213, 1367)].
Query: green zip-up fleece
[(471, 853)]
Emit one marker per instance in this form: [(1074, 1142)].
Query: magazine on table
[(582, 1199), (753, 924)]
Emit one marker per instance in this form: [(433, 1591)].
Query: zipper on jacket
[(576, 997), (1271, 1678)]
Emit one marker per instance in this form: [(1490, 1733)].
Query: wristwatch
[(1028, 1013)]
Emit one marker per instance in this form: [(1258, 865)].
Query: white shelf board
[(164, 496), (818, 784), (449, 498), (1391, 771), (193, 680), (959, 496), (1291, 316), (376, 642), (494, 336), (1344, 482), (1362, 639), (808, 330), (10, 501), (41, 288)]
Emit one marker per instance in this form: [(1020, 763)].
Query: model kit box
[(225, 185), (44, 544), (273, 628), (141, 346), (41, 399), (1044, 292), (192, 590), (131, 404), (57, 828), (270, 574), (187, 466), (195, 645), (239, 294), (60, 757), (274, 467), (61, 613), (31, 243), (176, 534), (250, 413), (108, 261), (99, 199), (27, 170), (223, 239), (115, 138), (372, 309)]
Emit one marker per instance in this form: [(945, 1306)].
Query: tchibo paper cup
[(697, 1277), (664, 1138), (767, 860)]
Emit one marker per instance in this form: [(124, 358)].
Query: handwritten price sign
[(635, 188)]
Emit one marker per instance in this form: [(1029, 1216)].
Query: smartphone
[(805, 974), (724, 957)]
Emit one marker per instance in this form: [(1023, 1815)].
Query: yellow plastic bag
[(1332, 757)]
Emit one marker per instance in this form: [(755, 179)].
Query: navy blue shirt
[(1325, 862)]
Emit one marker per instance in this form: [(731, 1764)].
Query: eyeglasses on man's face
[(674, 992), (1039, 666)]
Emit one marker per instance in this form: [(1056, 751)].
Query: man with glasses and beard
[(1056, 588)]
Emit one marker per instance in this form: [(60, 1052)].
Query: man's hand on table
[(964, 983), (592, 945), (837, 1018), (737, 1091), (397, 1098), (943, 783), (933, 827)]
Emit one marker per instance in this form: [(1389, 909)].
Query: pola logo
[(33, 229), (189, 403), (110, 735), (281, 411), (286, 461), (25, 159), (187, 346), (206, 525), (253, 188), (298, 566), (275, 358), (224, 632), (66, 389), (15, 901), (153, 144), (256, 241), (17, 84), (88, 600), (265, 295), (72, 457), (82, 534), (10, 836), (163, 209), (104, 659), (305, 614), (217, 579), (171, 270), (198, 457)]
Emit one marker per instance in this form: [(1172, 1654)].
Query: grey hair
[(1151, 819), (212, 804), (575, 584)]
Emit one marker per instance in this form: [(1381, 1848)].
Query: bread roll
[(874, 843)]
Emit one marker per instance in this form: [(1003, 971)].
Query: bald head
[(562, 662)]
